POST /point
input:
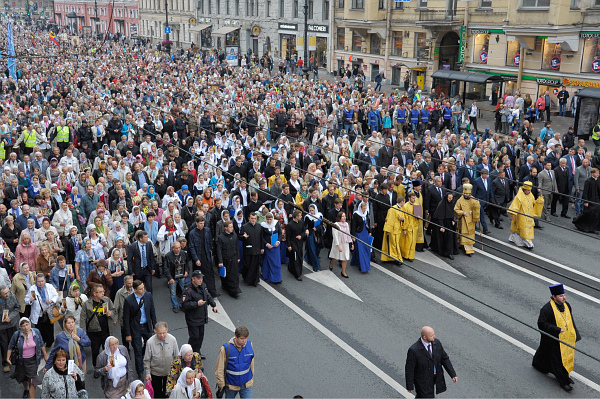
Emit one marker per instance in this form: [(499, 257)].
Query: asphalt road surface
[(324, 337)]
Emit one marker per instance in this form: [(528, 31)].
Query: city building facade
[(98, 16)]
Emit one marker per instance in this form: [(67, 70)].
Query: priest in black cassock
[(252, 239), (443, 236), (589, 220), (296, 234), (556, 319), (228, 256)]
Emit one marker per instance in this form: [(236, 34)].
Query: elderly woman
[(28, 342), (137, 390), (63, 219), (21, 283), (115, 368), (26, 252), (45, 262), (58, 383), (10, 233), (187, 358), (85, 259), (71, 340), (117, 233), (73, 303), (97, 240), (191, 385)]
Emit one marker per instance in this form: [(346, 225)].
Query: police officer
[(85, 134), (195, 300)]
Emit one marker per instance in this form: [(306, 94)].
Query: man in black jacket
[(562, 184), (114, 128), (425, 362), (251, 236), (280, 122), (139, 319), (201, 245), (141, 260), (228, 257), (176, 271), (194, 304)]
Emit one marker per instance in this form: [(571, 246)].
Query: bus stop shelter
[(464, 77), (586, 117)]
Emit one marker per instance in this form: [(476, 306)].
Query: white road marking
[(339, 342), (431, 259), (477, 321), (222, 318), (329, 279), (596, 279), (543, 278)]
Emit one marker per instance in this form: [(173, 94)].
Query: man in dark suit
[(12, 192), (500, 195), (140, 258), (524, 170), (425, 362), (469, 171), (510, 177), (482, 190), (435, 193), (386, 154), (563, 182), (404, 155), (426, 165), (139, 319)]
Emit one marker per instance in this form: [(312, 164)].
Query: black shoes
[(450, 257), (344, 275), (554, 214), (567, 388), (486, 232), (498, 226), (175, 310), (299, 278)]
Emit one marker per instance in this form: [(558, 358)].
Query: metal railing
[(438, 15)]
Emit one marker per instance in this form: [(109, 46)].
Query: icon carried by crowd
[(123, 165)]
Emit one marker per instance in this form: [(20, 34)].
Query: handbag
[(43, 318)]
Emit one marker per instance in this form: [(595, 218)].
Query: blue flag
[(12, 62)]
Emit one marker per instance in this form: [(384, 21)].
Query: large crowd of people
[(123, 164)]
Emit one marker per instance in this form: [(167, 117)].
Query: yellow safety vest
[(62, 134), (2, 150), (31, 139), (596, 132)]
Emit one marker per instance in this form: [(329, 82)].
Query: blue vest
[(425, 115), (238, 371), (447, 113), (373, 118), (401, 115), (414, 116), (348, 115)]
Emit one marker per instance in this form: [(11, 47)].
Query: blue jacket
[(62, 342), (401, 115), (18, 338), (55, 279), (373, 118), (425, 115), (414, 116)]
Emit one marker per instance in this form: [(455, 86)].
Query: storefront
[(228, 40), (451, 80), (590, 58), (552, 86), (287, 39), (317, 43)]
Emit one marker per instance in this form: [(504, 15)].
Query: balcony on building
[(440, 18)]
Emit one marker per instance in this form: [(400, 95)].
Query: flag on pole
[(12, 62), (33, 40), (53, 38)]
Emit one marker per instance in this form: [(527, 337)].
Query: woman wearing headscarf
[(115, 368), (188, 211), (98, 240), (187, 359), (118, 232), (238, 222), (168, 234), (190, 387), (72, 340), (10, 232), (85, 259), (137, 390), (31, 347), (271, 264), (74, 303), (314, 223), (235, 206), (341, 244), (117, 270), (100, 275), (443, 239), (21, 283), (361, 229)]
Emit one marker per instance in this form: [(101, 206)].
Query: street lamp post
[(305, 68), (166, 26), (96, 19)]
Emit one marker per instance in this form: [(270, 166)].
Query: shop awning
[(589, 92), (200, 27), (225, 30), (472, 77)]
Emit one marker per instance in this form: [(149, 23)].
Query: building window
[(513, 53), (551, 55), (209, 11), (536, 3), (358, 4), (422, 3), (486, 4), (590, 60), (356, 42), (268, 9), (397, 44), (237, 7), (281, 8), (375, 44), (399, 5), (218, 6), (421, 47), (227, 7), (597, 3), (575, 4), (340, 3), (341, 38), (310, 9), (200, 6), (326, 10), (481, 48), (382, 4), (295, 11)]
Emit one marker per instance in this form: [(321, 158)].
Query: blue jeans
[(173, 289), (562, 109), (457, 123), (579, 202), (244, 393)]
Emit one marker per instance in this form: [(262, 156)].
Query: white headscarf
[(360, 212), (281, 210), (133, 387), (269, 226), (317, 216), (120, 368), (182, 381)]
